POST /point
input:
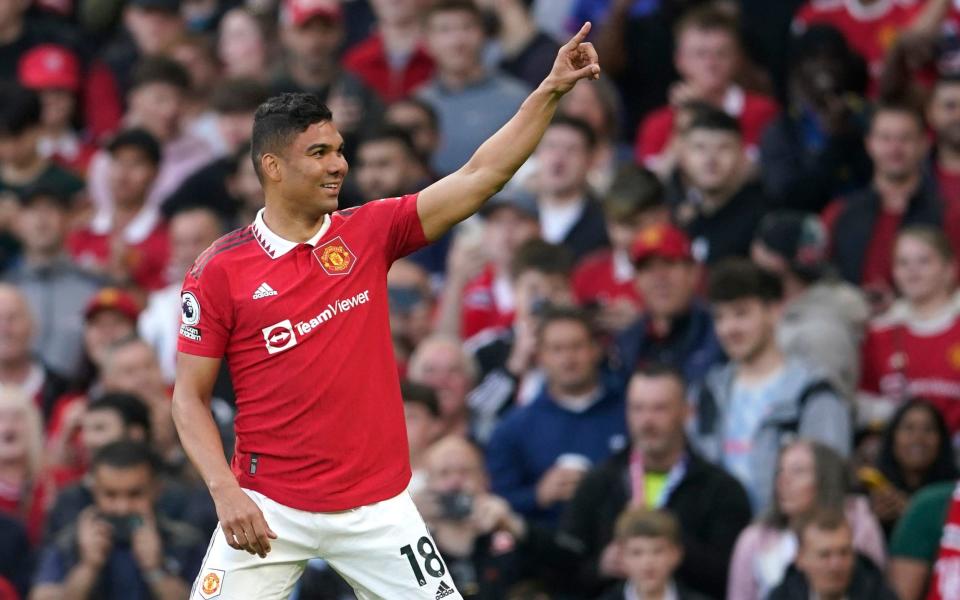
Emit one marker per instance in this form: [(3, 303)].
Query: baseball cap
[(661, 241), (170, 6), (50, 66), (799, 238), (115, 299), (298, 12), (516, 198)]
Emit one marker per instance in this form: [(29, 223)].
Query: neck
[(656, 593), (10, 32), (932, 306), (714, 199), (401, 35), (761, 364), (15, 372), (664, 461), (562, 198), (573, 392), (294, 225), (461, 79), (948, 158), (894, 193), (516, 28)]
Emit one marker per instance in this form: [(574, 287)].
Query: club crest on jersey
[(279, 337), (189, 308), (335, 257), (210, 584)]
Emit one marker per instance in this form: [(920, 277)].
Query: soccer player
[(297, 303)]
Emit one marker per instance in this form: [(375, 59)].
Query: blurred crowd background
[(705, 344)]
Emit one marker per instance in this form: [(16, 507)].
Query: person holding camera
[(475, 530), (120, 547)]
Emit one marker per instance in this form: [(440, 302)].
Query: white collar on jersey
[(276, 246)]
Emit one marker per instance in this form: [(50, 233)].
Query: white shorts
[(382, 550)]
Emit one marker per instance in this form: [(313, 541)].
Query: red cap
[(113, 299), (50, 66), (298, 12), (661, 241)]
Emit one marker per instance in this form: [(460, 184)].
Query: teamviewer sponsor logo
[(279, 337)]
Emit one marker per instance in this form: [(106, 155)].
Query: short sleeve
[(402, 224), (206, 313), (917, 535)]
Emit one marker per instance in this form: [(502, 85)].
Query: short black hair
[(424, 395), (554, 314), (238, 95), (424, 107), (541, 256), (391, 133), (739, 279), (125, 454), (467, 6), (140, 139), (160, 69), (581, 126), (652, 369), (132, 410), (713, 119), (280, 119), (20, 109), (902, 105)]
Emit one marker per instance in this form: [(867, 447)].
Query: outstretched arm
[(463, 192)]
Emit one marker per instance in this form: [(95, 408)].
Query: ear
[(270, 166)]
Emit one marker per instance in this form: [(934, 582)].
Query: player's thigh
[(385, 552), (231, 574)]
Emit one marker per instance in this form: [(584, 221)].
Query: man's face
[(656, 413), (58, 107), (131, 175), (312, 168), (944, 114), (458, 469), (667, 286), (827, 559), (569, 356), (505, 230), (99, 428), (236, 128), (20, 149), (744, 326), (411, 302), (42, 226), (421, 426), (533, 288), (11, 11), (157, 107), (563, 161), (397, 11), (123, 491), (385, 169), (153, 30), (706, 59), (919, 271), (711, 160), (191, 232), (414, 120), (454, 40), (649, 562), (132, 368), (440, 366), (314, 44), (16, 329), (897, 145)]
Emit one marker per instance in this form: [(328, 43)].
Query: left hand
[(576, 60), (146, 544)]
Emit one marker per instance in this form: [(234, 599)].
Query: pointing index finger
[(580, 36)]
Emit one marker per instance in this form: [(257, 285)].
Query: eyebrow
[(314, 147)]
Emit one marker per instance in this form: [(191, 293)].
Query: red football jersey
[(904, 357), (306, 334), (596, 280), (480, 307)]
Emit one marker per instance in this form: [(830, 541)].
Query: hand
[(524, 348), (490, 513), (610, 562), (681, 93), (242, 522), (558, 485), (576, 60), (94, 538), (466, 258), (146, 544), (887, 503)]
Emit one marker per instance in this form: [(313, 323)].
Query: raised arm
[(463, 192)]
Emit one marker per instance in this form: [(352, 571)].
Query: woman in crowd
[(916, 452), (810, 477), (24, 490), (244, 45)]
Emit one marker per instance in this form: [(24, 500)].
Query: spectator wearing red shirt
[(127, 240), (606, 278), (943, 114), (392, 61), (707, 57), (912, 351), (864, 224)]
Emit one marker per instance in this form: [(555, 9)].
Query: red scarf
[(945, 584)]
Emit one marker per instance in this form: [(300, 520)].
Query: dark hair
[(391, 133), (947, 79), (943, 467), (131, 409), (934, 237), (555, 314), (541, 256), (160, 69), (713, 119), (423, 395), (824, 519), (125, 454), (19, 109), (831, 475), (138, 138), (423, 106), (707, 17), (739, 279), (280, 119), (581, 126), (654, 369), (238, 95), (443, 6), (902, 106), (641, 522), (634, 191)]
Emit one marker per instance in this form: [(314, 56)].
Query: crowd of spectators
[(705, 344)]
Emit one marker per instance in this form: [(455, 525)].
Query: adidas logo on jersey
[(444, 590), (263, 291)]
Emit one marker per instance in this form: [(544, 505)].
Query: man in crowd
[(388, 165), (441, 363), (943, 114)]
